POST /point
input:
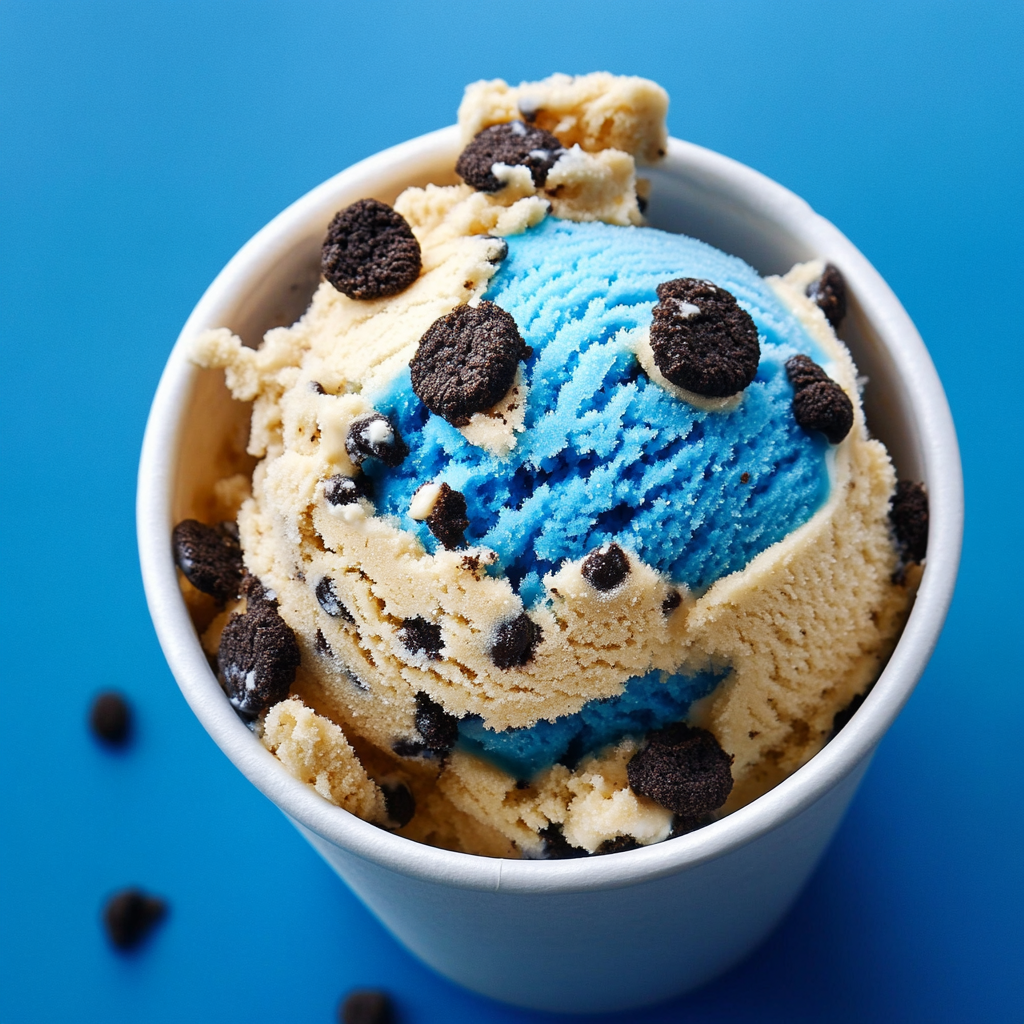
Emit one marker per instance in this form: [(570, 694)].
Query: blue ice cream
[(610, 455)]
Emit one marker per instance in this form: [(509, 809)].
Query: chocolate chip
[(417, 634), (466, 361), (515, 642), (842, 717), (605, 568), (344, 490), (556, 846), (824, 406), (439, 729), (373, 436), (110, 718), (370, 251), (702, 340), (328, 598), (620, 844), (683, 769), (365, 1006), (258, 656), (908, 513), (210, 558), (399, 804), (447, 519), (672, 602), (130, 916), (829, 293), (803, 370), (515, 144)]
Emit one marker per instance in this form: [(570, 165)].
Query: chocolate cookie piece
[(373, 436), (210, 558), (344, 490), (130, 915), (514, 144), (399, 803), (618, 845), (908, 513), (417, 634), (257, 657), (803, 371), (370, 251), (556, 846), (824, 406), (702, 340), (515, 642), (605, 568), (447, 519), (467, 361), (829, 294), (439, 729), (672, 602), (329, 601), (365, 1006), (110, 718), (842, 717), (683, 769)]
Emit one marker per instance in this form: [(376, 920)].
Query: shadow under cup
[(621, 930)]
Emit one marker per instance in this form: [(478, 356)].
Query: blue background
[(142, 145)]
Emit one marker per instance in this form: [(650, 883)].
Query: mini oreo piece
[(829, 294), (417, 634), (258, 656), (399, 803), (556, 846), (210, 558), (620, 844), (605, 568), (365, 1006), (702, 340), (499, 248), (344, 490), (130, 915), (514, 144), (328, 598), (683, 769), (515, 642), (819, 403), (466, 361), (908, 513), (447, 519), (439, 729), (110, 718), (370, 251), (373, 436)]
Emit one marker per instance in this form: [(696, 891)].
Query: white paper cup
[(626, 929)]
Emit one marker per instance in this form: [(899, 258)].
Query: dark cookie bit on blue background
[(829, 294), (908, 513), (515, 642), (210, 557), (447, 520), (258, 654), (130, 915), (682, 768), (605, 568), (819, 403), (514, 144), (110, 718), (399, 803), (370, 251), (365, 1006), (702, 339), (344, 490), (373, 436), (466, 361), (419, 635), (329, 601), (439, 729)]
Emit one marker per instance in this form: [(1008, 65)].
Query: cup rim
[(837, 760)]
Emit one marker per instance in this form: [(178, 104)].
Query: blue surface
[(142, 145)]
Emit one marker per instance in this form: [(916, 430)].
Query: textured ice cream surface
[(494, 608)]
